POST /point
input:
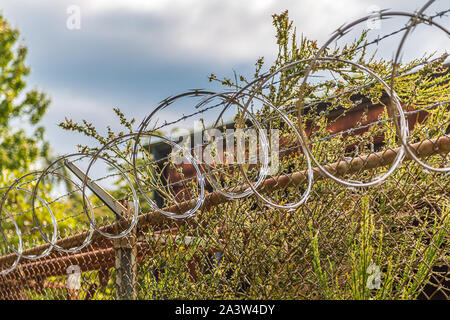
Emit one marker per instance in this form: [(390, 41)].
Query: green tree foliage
[(18, 148), (21, 135)]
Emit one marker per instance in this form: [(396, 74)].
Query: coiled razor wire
[(241, 99)]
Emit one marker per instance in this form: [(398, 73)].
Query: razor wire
[(241, 98)]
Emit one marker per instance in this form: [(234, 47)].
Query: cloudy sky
[(133, 53)]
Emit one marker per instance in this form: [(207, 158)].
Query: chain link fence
[(243, 249)]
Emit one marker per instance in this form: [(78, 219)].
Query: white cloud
[(231, 31), (134, 5)]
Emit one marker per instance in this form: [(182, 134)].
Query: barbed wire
[(404, 72), (248, 94)]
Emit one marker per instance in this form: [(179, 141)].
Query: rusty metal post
[(126, 263)]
